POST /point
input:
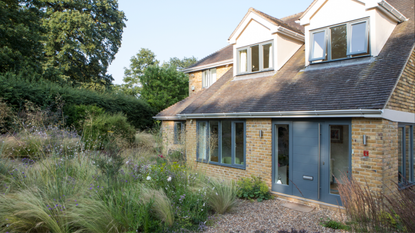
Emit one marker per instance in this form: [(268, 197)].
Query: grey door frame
[(325, 195)]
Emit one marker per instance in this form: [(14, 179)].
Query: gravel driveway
[(270, 216)]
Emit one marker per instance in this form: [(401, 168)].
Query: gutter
[(212, 65), (367, 113), (386, 6), (290, 33)]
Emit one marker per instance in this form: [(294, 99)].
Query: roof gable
[(272, 23)]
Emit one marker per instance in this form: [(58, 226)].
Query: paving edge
[(308, 202)]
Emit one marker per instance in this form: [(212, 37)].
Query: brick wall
[(195, 78), (167, 128), (258, 152), (403, 97), (380, 168)]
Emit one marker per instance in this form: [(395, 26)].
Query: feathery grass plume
[(401, 203), (28, 211), (92, 215), (162, 205), (222, 195), (364, 208)]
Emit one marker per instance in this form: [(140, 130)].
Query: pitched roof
[(280, 22), (223, 54), (290, 20), (366, 85)]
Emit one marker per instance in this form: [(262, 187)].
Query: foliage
[(139, 63), (180, 64), (5, 115), (253, 188), (222, 195), (335, 225), (163, 87), (15, 90), (375, 211), (104, 128), (81, 112), (21, 33)]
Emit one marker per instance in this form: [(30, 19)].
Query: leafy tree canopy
[(162, 87), (70, 41), (181, 64), (20, 37), (82, 38)]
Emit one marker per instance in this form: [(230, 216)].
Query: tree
[(20, 37), (181, 64), (143, 59), (82, 38), (162, 86)]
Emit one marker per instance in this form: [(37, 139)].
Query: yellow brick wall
[(195, 78), (258, 153), (403, 97), (167, 129), (380, 168)]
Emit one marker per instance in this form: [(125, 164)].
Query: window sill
[(222, 164), (257, 72), (403, 186), (339, 63)]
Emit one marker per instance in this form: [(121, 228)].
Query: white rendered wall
[(285, 49), (333, 12), (253, 34)]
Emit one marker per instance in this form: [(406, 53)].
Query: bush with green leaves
[(253, 188), (16, 89)]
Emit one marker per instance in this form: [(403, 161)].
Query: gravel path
[(270, 216)]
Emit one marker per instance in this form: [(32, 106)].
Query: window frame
[(233, 146), (204, 79), (249, 60), (327, 41), (407, 183), (182, 130)]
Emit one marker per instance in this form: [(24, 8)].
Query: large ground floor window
[(221, 142), (406, 151)]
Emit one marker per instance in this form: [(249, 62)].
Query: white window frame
[(327, 43), (207, 77), (261, 58)]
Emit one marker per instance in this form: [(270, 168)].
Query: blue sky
[(186, 28)]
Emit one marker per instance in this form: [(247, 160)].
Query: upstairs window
[(208, 77), (340, 41), (255, 58)]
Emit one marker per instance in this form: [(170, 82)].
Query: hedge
[(15, 89)]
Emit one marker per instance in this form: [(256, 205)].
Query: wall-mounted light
[(193, 88), (260, 133), (364, 140)]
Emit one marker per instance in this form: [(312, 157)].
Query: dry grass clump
[(145, 140), (161, 204), (402, 203), (222, 195)]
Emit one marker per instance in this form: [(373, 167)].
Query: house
[(305, 99)]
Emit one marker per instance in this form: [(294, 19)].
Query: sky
[(184, 28)]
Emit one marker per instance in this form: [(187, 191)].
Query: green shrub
[(82, 112), (102, 130), (15, 90), (222, 195), (329, 223), (253, 188)]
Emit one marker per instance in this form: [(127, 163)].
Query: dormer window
[(255, 58), (340, 41), (208, 77)]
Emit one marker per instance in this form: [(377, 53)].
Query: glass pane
[(318, 45), (202, 140), (255, 58), (339, 42), (407, 150), (400, 155), (213, 141), (267, 56), (282, 151), (226, 142), (339, 155), (413, 154), (205, 77), (239, 144), (243, 61), (358, 41), (178, 132), (212, 77)]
